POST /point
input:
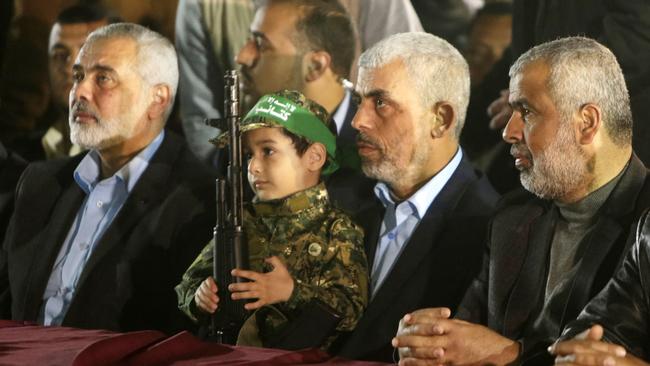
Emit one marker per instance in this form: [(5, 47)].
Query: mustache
[(520, 150), (82, 107), (365, 139)]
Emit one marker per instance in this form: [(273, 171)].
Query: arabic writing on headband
[(277, 109)]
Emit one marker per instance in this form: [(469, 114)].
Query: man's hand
[(427, 337), (500, 111), (268, 288), (588, 349), (407, 327), (206, 297)]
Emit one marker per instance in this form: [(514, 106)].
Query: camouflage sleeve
[(343, 279), (198, 271)]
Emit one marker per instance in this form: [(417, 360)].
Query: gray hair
[(156, 59), (582, 71), (437, 70)]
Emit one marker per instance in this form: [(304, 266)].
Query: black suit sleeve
[(473, 307)]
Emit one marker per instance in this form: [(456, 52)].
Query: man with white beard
[(553, 248), (99, 240)]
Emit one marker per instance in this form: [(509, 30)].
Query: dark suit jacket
[(11, 167), (435, 267), (508, 295), (128, 281)]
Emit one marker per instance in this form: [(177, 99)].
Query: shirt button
[(83, 246), (391, 236), (100, 204)]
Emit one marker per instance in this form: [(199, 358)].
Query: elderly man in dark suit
[(100, 240), (425, 230), (553, 248)]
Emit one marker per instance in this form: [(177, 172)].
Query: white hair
[(437, 70), (156, 57), (582, 71)]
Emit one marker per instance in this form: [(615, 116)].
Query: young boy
[(301, 248)]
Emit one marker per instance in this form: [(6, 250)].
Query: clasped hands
[(268, 288), (430, 337)]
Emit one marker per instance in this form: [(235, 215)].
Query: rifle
[(230, 248)]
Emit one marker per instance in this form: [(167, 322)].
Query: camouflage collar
[(311, 198)]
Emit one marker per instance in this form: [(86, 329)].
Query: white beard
[(102, 133), (390, 170)]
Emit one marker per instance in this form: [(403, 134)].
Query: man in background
[(67, 37)]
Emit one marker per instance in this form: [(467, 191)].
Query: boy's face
[(274, 168)]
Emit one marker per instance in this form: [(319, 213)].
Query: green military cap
[(291, 110)]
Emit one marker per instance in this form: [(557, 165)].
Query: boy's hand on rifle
[(206, 297), (268, 288)]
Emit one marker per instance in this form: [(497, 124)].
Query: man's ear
[(444, 119), (160, 101), (315, 157), (317, 63), (590, 121)]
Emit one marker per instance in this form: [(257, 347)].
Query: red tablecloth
[(25, 344)]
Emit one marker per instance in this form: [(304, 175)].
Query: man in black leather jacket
[(547, 256), (622, 312)]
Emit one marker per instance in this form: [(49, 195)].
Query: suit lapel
[(370, 220), (618, 212), (416, 250), (422, 241), (146, 194), (48, 245), (532, 273)]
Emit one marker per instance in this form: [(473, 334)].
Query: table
[(29, 344)]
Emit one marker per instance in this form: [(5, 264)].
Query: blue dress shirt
[(104, 199), (401, 219)]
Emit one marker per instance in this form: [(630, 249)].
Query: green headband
[(276, 111)]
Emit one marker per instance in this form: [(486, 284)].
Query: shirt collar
[(88, 172), (423, 197), (342, 110)]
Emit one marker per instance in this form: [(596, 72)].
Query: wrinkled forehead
[(391, 76), (116, 52), (530, 82)]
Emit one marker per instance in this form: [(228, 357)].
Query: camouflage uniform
[(322, 249)]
